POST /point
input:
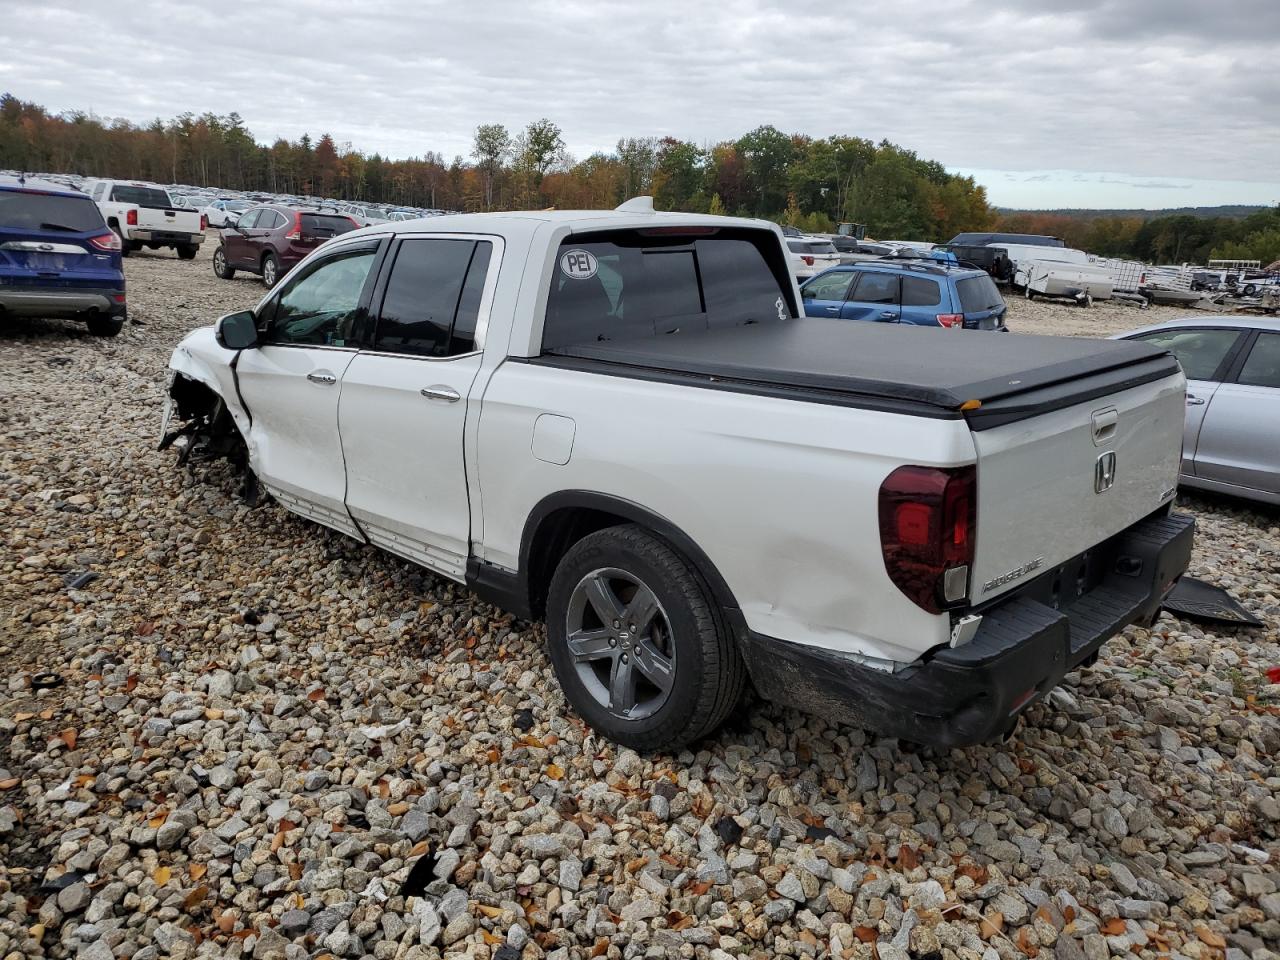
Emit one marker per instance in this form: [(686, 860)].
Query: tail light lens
[(808, 260), (131, 218), (952, 321), (296, 232), (106, 241), (927, 519), (204, 222)]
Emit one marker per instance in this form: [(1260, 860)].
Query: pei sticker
[(578, 265)]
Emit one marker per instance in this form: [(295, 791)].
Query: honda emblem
[(1104, 472)]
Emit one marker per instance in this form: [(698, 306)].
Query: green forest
[(811, 183)]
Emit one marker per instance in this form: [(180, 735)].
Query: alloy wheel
[(620, 639)]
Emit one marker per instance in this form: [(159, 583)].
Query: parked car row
[(271, 239)]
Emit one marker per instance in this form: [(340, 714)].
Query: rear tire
[(270, 271), (105, 326), (187, 252), (682, 641), (220, 268)]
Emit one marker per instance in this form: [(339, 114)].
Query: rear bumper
[(166, 236), (53, 302), (1024, 645)]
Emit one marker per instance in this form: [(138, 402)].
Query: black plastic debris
[(728, 830), (46, 681), (61, 882), (818, 834), (420, 874), (1197, 600), (506, 952), (75, 581), (523, 721)]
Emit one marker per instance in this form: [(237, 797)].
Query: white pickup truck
[(144, 215), (621, 423)]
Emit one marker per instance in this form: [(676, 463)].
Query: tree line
[(808, 182)]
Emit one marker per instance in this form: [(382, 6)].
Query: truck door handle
[(322, 376), (887, 315), (1194, 401), (441, 392), (833, 309)]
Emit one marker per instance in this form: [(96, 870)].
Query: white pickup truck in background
[(144, 215), (621, 423)]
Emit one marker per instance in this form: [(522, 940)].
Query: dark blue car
[(919, 292), (58, 258)]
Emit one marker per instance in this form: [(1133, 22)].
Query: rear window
[(822, 247), (325, 225), (623, 285), (978, 293), (21, 210), (152, 198)]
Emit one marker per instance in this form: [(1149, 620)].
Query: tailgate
[(1054, 485), (179, 221)]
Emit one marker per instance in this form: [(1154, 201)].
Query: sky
[(1062, 103)]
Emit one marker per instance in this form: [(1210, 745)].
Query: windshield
[(152, 198), (24, 210)]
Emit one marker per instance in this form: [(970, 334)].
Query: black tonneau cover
[(918, 370)]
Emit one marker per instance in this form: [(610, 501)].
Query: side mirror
[(237, 331)]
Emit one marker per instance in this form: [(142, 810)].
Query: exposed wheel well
[(554, 535)]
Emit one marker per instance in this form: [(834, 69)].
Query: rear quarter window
[(325, 225), (920, 292), (25, 210), (625, 285)]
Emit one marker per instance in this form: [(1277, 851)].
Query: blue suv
[(919, 292), (58, 258)]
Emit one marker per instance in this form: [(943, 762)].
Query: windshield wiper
[(60, 226)]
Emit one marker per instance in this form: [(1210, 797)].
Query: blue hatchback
[(58, 258), (923, 293)]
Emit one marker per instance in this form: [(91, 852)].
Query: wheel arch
[(558, 521)]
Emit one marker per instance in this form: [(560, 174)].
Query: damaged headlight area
[(206, 431)]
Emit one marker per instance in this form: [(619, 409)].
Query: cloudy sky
[(1099, 103)]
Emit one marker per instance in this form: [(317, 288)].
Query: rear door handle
[(440, 392), (322, 376), (1194, 401), (833, 309)]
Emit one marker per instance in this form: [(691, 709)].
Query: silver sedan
[(1231, 440)]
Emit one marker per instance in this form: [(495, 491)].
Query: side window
[(432, 300), (829, 286), (319, 307), (920, 292), (1262, 368), (876, 288), (1199, 352), (99, 190), (249, 220)]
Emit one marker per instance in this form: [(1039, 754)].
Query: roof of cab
[(522, 221)]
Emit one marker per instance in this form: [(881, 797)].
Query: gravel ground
[(265, 740)]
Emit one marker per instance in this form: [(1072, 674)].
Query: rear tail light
[(354, 222), (204, 222), (106, 241), (118, 297), (808, 260), (927, 519), (951, 320), (296, 232), (131, 218)]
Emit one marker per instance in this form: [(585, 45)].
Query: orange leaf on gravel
[(555, 772), (161, 876), (197, 871), (9, 784), (866, 934), (992, 925), (1210, 939), (194, 897), (316, 694), (69, 737), (1113, 927)]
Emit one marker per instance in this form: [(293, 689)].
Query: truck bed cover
[(887, 366)]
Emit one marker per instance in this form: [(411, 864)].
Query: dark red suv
[(269, 240)]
